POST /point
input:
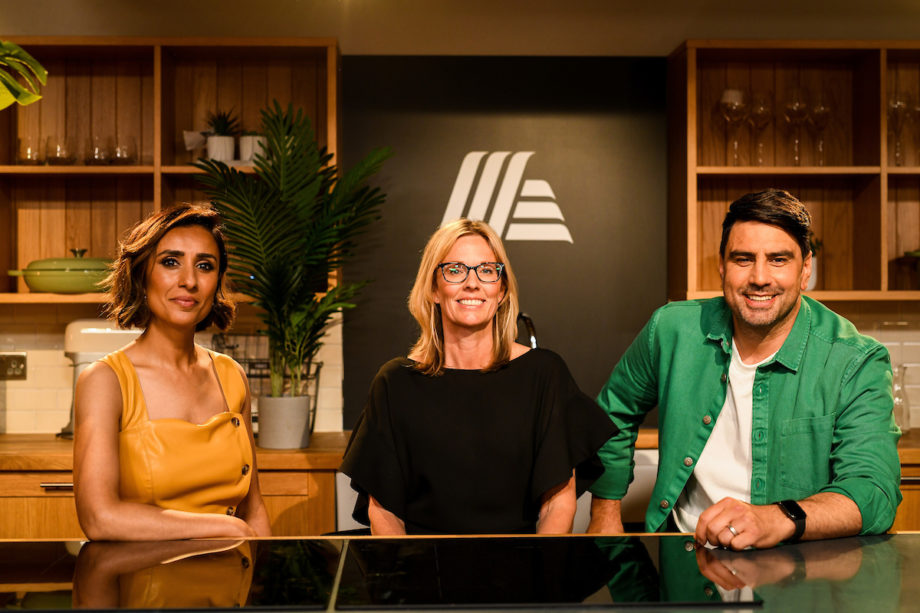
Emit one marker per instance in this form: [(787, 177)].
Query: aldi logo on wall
[(491, 187)]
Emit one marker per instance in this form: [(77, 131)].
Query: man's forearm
[(830, 515), (605, 516)]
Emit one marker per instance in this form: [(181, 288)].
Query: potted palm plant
[(289, 224)]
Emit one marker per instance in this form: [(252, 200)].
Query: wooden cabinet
[(36, 491), (908, 517), (865, 200), (145, 91)]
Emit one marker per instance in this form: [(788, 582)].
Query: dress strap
[(231, 380), (134, 410)]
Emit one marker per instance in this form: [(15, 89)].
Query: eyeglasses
[(456, 272)]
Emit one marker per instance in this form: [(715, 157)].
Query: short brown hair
[(775, 207), (126, 298), (429, 348)]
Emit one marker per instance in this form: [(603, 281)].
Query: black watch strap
[(794, 512)]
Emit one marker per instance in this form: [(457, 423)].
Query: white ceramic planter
[(250, 146), (221, 148), (813, 279), (284, 423)]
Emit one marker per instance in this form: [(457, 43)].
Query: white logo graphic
[(515, 198)]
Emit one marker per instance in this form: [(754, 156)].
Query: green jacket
[(822, 418)]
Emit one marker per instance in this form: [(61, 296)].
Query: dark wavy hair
[(126, 300), (775, 207)]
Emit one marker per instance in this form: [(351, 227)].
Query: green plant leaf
[(15, 62), (289, 224)]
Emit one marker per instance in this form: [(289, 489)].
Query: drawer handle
[(54, 485)]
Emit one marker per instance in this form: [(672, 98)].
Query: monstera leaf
[(15, 62)]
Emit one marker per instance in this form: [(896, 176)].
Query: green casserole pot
[(77, 275)]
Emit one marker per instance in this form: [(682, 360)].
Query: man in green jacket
[(774, 418)]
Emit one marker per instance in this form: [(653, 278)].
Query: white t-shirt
[(724, 468)]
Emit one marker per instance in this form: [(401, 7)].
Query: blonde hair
[(428, 351)]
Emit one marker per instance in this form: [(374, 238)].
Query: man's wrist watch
[(794, 512)]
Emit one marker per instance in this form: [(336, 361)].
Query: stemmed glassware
[(819, 116), (733, 107), (760, 117), (898, 110), (795, 112)]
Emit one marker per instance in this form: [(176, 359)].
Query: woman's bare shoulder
[(517, 350), (98, 374)]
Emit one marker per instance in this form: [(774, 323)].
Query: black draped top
[(468, 452)]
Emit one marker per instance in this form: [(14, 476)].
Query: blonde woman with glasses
[(473, 432)]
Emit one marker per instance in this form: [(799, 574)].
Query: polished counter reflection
[(474, 573)]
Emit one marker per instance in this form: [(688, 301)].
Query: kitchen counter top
[(471, 573), (44, 452)]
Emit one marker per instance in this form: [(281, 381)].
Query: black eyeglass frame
[(498, 266)]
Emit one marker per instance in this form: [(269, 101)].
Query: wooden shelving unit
[(150, 89), (865, 203)]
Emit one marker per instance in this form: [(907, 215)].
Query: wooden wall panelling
[(680, 133), (869, 272), (79, 103), (307, 90), (52, 106), (903, 232), (28, 195), (79, 217), (104, 102), (229, 87), (714, 199), (788, 83), (829, 84), (129, 109), (7, 228), (763, 83), (866, 105), (52, 222), (903, 77), (103, 232), (837, 236), (813, 195), (711, 128), (255, 88)]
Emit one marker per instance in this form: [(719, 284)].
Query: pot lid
[(78, 263)]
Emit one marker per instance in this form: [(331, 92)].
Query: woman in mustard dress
[(163, 445)]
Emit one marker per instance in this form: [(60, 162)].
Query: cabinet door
[(299, 503), (908, 517), (28, 510)]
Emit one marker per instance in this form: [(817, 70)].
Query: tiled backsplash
[(41, 403), (903, 342)]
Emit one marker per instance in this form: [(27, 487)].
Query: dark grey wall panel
[(596, 130)]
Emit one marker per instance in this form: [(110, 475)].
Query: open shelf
[(864, 199), (148, 90)]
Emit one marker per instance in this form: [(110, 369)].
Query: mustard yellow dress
[(175, 464)]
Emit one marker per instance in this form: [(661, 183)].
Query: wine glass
[(819, 116), (733, 106), (898, 110), (795, 112), (760, 117)]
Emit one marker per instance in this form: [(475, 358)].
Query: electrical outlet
[(13, 366)]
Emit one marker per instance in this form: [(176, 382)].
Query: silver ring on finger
[(731, 529)]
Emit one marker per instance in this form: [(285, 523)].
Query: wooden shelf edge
[(788, 170), (75, 169), (48, 298), (188, 169)]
